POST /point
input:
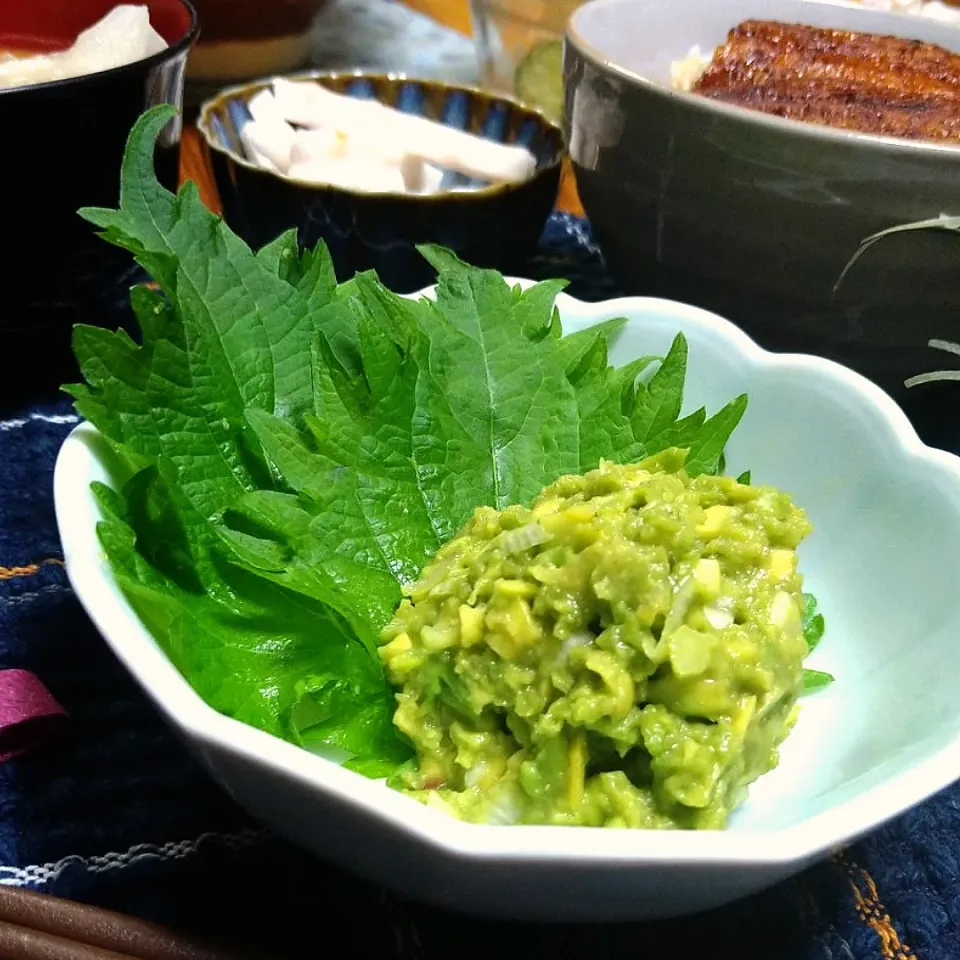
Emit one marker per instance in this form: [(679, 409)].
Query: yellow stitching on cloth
[(8, 573), (873, 912)]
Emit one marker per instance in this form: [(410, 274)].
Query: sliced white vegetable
[(308, 104), (315, 143), (354, 173), (263, 108), (311, 105), (268, 140), (465, 152), (123, 36), (317, 146)]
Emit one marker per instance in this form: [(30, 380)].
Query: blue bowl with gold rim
[(494, 225)]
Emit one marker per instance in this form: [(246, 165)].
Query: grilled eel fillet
[(856, 81)]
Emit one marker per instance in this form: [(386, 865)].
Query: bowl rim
[(745, 116), (249, 88), (172, 51), (801, 842)]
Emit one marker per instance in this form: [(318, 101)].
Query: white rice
[(686, 72)]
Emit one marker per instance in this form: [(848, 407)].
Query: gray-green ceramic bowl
[(491, 226), (755, 216)]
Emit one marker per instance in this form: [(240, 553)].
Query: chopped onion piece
[(505, 809), (682, 600), (581, 639), (718, 619), (530, 535)]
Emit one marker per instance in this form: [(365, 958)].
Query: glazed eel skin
[(855, 81)]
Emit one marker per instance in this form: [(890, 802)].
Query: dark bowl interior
[(494, 227), (65, 144)]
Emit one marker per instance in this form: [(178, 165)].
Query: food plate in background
[(493, 225), (755, 216)]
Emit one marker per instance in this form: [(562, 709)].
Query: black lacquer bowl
[(494, 226), (64, 145)]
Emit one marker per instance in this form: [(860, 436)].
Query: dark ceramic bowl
[(754, 216), (494, 226), (64, 145)]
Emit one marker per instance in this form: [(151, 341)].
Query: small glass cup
[(518, 47)]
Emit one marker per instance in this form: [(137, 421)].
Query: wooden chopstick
[(34, 926), (22, 943)]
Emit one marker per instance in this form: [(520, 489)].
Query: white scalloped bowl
[(883, 561)]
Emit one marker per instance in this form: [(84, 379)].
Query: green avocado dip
[(627, 652)]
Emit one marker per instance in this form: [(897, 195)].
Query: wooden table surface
[(451, 13)]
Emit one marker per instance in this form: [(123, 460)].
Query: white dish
[(883, 562)]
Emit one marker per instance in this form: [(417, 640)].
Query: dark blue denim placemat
[(118, 814)]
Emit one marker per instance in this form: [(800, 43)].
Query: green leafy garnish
[(287, 450), (816, 680), (813, 629), (813, 622)]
